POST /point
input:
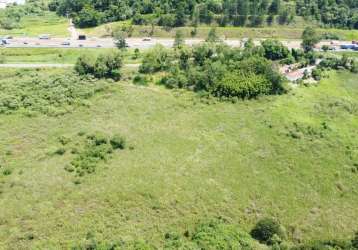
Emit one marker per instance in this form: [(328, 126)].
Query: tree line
[(170, 13)]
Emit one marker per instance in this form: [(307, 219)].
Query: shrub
[(52, 94), (60, 151), (7, 172), (157, 59), (104, 66), (218, 234), (98, 138), (274, 49), (355, 240), (140, 79), (97, 148), (243, 85), (354, 66), (85, 64), (317, 74), (118, 142), (64, 140), (325, 48), (265, 230)]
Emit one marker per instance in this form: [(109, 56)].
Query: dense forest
[(170, 13)]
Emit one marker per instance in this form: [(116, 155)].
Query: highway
[(140, 43)]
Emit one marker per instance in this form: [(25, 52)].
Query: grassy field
[(56, 55), (280, 32), (290, 157), (48, 23)]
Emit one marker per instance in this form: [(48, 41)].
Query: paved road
[(140, 43)]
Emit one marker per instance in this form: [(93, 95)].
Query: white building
[(4, 3)]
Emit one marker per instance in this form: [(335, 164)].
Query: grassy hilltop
[(292, 157)]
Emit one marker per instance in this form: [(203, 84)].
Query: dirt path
[(73, 31)]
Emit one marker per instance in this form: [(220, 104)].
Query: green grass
[(34, 25), (293, 31), (56, 55), (289, 157)]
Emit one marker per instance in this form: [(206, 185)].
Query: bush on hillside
[(52, 94), (243, 85), (104, 66), (265, 230), (157, 59), (275, 50)]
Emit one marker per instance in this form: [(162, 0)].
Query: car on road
[(45, 37), (347, 46), (147, 39), (26, 43), (80, 45), (66, 44), (8, 37)]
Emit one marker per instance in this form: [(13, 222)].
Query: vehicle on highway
[(8, 37), (26, 43), (82, 37), (99, 46), (80, 45), (66, 43), (147, 39), (45, 37), (347, 46)]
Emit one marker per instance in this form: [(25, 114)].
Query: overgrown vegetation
[(103, 66), (220, 234), (51, 94), (216, 69), (96, 148)]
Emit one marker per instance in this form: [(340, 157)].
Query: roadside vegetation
[(60, 55)]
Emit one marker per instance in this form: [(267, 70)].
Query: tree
[(179, 39), (180, 17), (212, 36), (136, 54), (274, 49), (309, 39), (275, 7), (120, 39), (104, 66), (87, 17), (156, 59)]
